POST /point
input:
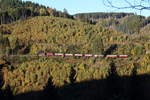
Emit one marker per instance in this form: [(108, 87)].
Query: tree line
[(13, 10)]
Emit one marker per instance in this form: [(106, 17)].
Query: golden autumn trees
[(53, 34)]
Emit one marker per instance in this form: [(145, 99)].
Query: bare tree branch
[(137, 4)]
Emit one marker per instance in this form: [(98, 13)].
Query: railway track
[(69, 55)]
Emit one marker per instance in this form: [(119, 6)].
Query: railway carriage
[(49, 54)]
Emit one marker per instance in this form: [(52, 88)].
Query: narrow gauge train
[(55, 54), (60, 54), (68, 55), (46, 54), (82, 55)]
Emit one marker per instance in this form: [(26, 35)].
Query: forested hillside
[(13, 10), (94, 17), (26, 75), (51, 34), (122, 22)]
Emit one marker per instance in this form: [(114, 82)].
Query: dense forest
[(28, 29), (122, 22), (13, 10), (94, 17)]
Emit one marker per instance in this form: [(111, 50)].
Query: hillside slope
[(13, 10), (53, 34)]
